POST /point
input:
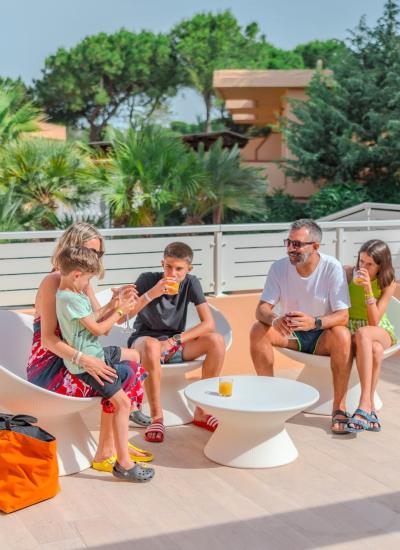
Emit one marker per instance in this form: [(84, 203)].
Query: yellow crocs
[(106, 465), (148, 456)]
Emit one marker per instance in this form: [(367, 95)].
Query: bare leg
[(262, 340), (150, 352), (213, 347), (122, 406), (336, 342), (130, 354), (106, 447), (370, 343)]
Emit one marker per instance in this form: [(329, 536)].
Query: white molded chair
[(58, 414), (317, 371), (175, 407)]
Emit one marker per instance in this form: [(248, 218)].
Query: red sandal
[(211, 424), (156, 427)]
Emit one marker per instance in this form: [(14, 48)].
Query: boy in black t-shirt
[(160, 336)]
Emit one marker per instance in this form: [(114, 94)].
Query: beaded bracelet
[(370, 300)]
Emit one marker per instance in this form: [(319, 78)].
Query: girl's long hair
[(75, 236), (380, 253)]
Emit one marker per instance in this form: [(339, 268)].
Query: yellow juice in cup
[(173, 287), (225, 387)]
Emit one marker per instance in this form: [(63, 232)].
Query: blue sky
[(30, 30)]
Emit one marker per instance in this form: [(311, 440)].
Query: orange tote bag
[(28, 463)]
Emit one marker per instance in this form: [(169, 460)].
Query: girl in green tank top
[(371, 285)]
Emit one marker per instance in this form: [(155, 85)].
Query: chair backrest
[(118, 338), (16, 330), (393, 312)]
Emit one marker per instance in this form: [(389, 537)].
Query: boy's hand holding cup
[(166, 285)]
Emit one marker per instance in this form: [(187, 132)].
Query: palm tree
[(9, 212), (148, 176), (17, 115), (228, 186), (44, 173)]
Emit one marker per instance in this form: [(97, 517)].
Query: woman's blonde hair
[(75, 236)]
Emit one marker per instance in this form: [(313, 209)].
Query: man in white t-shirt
[(311, 292)]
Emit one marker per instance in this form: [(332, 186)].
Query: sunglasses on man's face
[(100, 253), (296, 244)]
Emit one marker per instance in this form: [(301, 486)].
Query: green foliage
[(349, 130), (208, 42), (332, 198), (150, 174), (10, 219), (282, 207), (327, 51), (17, 115), (43, 173), (228, 187), (106, 74)]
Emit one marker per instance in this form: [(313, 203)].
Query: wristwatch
[(318, 323), (177, 339)]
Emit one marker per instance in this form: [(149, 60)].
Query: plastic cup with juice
[(225, 387), (358, 280), (173, 287)]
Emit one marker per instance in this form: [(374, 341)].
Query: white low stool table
[(251, 431)]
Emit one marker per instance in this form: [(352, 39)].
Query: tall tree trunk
[(217, 214), (208, 102), (95, 132)]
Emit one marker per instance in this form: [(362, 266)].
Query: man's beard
[(298, 257)]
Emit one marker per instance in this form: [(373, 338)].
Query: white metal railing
[(226, 257)]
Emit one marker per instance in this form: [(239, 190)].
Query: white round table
[(251, 431)]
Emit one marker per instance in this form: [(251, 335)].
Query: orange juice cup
[(357, 279), (225, 387), (173, 287)]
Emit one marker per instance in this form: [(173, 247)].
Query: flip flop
[(343, 421), (156, 427), (148, 456), (140, 419), (106, 465), (211, 424), (358, 422), (375, 420)]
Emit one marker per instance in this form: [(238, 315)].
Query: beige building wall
[(261, 98)]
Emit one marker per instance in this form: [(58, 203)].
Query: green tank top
[(358, 309)]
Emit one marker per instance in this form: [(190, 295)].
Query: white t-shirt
[(321, 293)]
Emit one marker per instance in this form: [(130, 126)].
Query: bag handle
[(17, 420)]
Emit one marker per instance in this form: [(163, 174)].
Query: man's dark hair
[(179, 250), (314, 229)]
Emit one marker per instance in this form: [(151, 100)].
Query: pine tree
[(349, 129)]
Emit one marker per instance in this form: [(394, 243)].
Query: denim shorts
[(112, 357), (307, 340)]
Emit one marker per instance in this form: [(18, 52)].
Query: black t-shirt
[(165, 315)]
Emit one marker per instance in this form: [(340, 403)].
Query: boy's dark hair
[(81, 258), (179, 250)]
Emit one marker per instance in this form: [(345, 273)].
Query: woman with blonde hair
[(46, 366), (371, 285)]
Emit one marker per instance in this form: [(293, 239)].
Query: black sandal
[(137, 474), (139, 418), (340, 421)]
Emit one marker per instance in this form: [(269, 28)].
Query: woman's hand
[(98, 369), (125, 292), (126, 306)]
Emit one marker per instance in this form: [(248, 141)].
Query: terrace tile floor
[(343, 492)]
